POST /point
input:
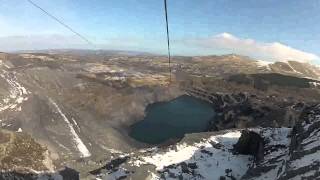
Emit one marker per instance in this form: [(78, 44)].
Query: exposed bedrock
[(242, 110)]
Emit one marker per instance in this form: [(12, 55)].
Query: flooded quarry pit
[(172, 119)]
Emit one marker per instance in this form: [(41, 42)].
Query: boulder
[(250, 143)]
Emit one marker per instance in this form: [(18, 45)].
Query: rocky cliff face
[(240, 110)]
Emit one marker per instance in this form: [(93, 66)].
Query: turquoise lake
[(172, 119)]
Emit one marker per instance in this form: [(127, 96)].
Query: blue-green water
[(172, 119)]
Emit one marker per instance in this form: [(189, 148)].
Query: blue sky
[(197, 27)]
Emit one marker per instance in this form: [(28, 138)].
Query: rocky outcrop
[(275, 149), (294, 156), (250, 143), (304, 149), (113, 165), (242, 110)]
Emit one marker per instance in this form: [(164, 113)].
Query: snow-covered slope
[(208, 159), (296, 68), (288, 153)]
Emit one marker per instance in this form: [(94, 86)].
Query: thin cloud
[(38, 42), (275, 51), (56, 41), (219, 44)]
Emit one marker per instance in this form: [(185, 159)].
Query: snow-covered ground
[(210, 158), (211, 162)]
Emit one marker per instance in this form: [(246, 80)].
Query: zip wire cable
[(168, 37), (60, 22), (89, 42)]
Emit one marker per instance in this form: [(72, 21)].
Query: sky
[(270, 30)]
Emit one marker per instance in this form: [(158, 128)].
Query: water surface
[(172, 119)]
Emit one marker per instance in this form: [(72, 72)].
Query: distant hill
[(233, 64), (293, 68), (87, 52)]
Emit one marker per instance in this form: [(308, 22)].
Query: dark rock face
[(69, 174), (17, 176), (112, 165), (250, 143), (64, 174), (243, 110)]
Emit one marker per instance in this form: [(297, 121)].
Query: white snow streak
[(293, 68), (80, 145)]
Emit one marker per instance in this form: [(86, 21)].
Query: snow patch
[(262, 63), (17, 93), (314, 84), (305, 160)]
